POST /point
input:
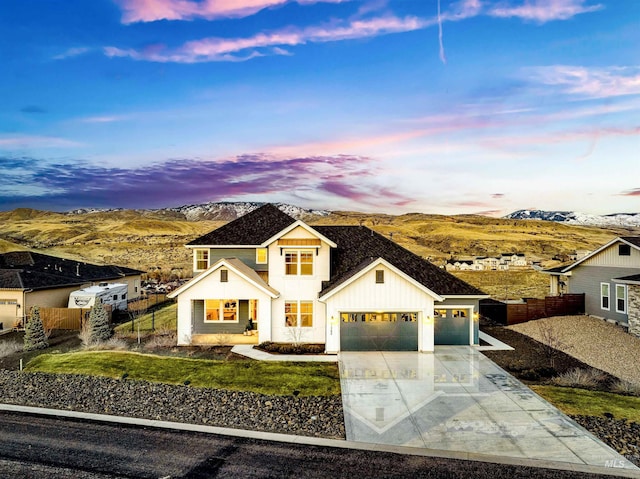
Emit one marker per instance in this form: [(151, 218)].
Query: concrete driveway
[(457, 399)]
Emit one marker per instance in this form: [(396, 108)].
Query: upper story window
[(224, 275), (202, 259), (379, 276), (298, 263), (624, 250), (261, 256)]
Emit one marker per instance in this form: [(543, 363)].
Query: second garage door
[(379, 331)]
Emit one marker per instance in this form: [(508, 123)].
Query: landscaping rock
[(619, 434), (317, 416)]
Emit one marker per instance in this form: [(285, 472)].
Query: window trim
[(309, 253), (259, 253), (623, 298), (624, 249), (221, 309), (298, 313), (608, 296), (197, 259)]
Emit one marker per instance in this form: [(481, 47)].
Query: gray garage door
[(451, 327), (379, 331)]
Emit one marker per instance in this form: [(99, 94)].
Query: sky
[(394, 106)]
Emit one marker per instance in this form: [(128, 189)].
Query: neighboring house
[(610, 279), (344, 286), (483, 263), (461, 265), (32, 279)]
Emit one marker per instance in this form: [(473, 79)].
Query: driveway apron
[(457, 399)]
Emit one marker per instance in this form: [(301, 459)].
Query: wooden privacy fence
[(66, 318), (151, 300), (533, 308)]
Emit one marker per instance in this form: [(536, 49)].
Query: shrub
[(291, 348), (98, 324), (161, 341), (7, 348), (112, 344), (35, 336), (577, 377), (626, 387)]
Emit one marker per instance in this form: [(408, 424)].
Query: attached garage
[(378, 331), (453, 326)]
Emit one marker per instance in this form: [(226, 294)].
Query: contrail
[(443, 58)]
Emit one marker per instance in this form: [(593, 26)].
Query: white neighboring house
[(343, 286)]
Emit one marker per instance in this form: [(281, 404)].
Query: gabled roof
[(367, 266), (252, 229), (293, 226), (633, 241), (358, 246), (235, 265), (29, 270)]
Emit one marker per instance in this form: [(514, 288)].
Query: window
[(224, 276), (621, 298), (261, 256), (298, 314), (298, 263), (124, 296), (379, 276), (221, 310), (4, 302), (202, 259), (115, 297), (604, 296), (624, 250)]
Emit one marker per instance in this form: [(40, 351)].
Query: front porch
[(223, 339)]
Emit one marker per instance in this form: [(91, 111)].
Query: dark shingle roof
[(633, 277), (634, 240), (252, 229), (358, 246), (28, 270)]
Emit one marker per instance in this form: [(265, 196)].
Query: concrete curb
[(250, 352), (313, 441)]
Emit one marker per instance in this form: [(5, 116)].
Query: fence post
[(153, 320)]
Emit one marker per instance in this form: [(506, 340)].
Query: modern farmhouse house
[(609, 277), (345, 286)]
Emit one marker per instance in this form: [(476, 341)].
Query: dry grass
[(161, 341), (147, 239), (7, 348), (593, 341), (579, 378), (112, 344), (503, 285)]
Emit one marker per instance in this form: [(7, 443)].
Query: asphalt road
[(45, 447)]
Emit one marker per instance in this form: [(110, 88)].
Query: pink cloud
[(634, 192), (154, 10), (227, 49), (542, 11)]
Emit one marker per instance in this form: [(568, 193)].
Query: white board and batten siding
[(210, 287), (396, 294)]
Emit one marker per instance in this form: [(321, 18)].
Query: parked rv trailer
[(114, 295)]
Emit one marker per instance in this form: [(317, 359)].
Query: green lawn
[(274, 378), (163, 318), (591, 403)]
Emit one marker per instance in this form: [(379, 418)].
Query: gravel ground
[(594, 341), (307, 416), (621, 435)]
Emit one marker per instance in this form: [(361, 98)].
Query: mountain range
[(222, 211), (619, 220)]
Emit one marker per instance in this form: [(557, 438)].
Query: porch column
[(264, 319)]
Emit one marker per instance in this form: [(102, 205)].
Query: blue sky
[(471, 106)]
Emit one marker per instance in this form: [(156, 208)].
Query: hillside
[(151, 240)]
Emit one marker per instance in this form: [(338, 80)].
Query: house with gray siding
[(346, 287), (609, 277)]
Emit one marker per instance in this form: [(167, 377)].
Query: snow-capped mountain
[(624, 220), (226, 211), (223, 211)]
